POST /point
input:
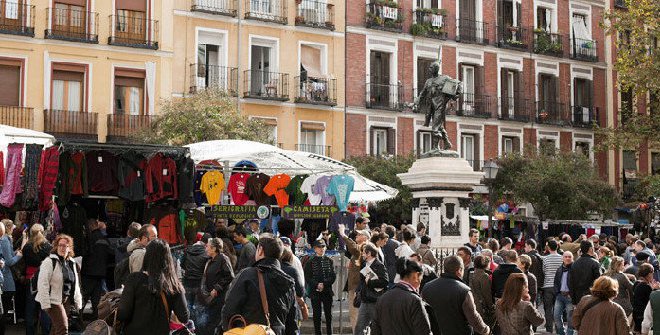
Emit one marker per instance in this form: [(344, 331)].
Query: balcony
[(316, 91), (384, 15), (470, 31), (514, 109), (430, 23), (474, 105), (72, 25), (219, 7), (123, 126), (323, 150), (548, 44), (266, 10), (550, 112), (21, 117), (70, 123), (133, 30), (513, 37), (16, 18), (585, 50), (259, 84), (584, 116), (223, 78), (315, 14), (384, 96)]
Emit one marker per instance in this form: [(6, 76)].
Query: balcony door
[(467, 23), (379, 80), (544, 19), (548, 95), (70, 19), (67, 90), (10, 85), (260, 64), (470, 149), (428, 3), (582, 95), (509, 89), (131, 21), (509, 16), (12, 13), (423, 72), (129, 92), (312, 138)]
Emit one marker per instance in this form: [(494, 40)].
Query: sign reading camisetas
[(248, 212)]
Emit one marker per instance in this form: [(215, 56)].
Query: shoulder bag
[(253, 329), (204, 295)]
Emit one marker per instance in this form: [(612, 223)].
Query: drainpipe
[(238, 55)]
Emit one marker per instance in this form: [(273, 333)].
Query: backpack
[(537, 269), (108, 306), (98, 327), (122, 270), (34, 281)]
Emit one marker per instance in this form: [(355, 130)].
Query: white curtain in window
[(580, 30), (11, 9), (548, 20), (150, 71), (134, 101), (58, 95), (74, 96)]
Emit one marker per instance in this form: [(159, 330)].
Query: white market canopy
[(9, 135), (273, 160)]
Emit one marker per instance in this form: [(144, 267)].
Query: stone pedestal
[(440, 187)]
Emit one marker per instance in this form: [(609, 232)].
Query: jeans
[(326, 301), (365, 315), (563, 303), (193, 309), (32, 310), (549, 296)]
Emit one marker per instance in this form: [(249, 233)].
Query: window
[(68, 17), (655, 163), (67, 87), (261, 6), (626, 104), (381, 93), (582, 148), (468, 151), (10, 85), (580, 27), (260, 66), (380, 142), (547, 146), (544, 19), (383, 141), (129, 92), (424, 141), (10, 9), (130, 24), (630, 164), (510, 144), (311, 61), (654, 103), (510, 13), (547, 88), (469, 89), (428, 3), (272, 126), (210, 62), (423, 72)]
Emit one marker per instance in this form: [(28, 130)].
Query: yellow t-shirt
[(212, 185)]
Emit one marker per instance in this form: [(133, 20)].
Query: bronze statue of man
[(432, 101)]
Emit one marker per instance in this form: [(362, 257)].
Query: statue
[(432, 100)]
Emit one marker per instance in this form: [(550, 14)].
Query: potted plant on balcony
[(512, 29), (300, 19)]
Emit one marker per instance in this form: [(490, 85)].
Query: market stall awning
[(9, 134), (272, 160)]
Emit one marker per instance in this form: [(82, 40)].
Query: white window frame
[(324, 55), (424, 54), (503, 134), (269, 42), (464, 147), (376, 132), (553, 14), (320, 136)]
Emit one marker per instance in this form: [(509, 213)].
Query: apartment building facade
[(534, 74)]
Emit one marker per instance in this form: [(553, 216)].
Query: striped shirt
[(551, 263)]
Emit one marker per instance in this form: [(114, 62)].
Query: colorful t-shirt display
[(277, 187), (212, 185), (341, 187), (238, 188), (296, 196), (308, 187), (255, 187), (321, 189)]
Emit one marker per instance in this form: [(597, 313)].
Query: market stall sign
[(235, 212), (308, 212)]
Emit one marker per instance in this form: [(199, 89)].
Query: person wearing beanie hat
[(319, 276)]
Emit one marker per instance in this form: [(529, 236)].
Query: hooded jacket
[(193, 263), (243, 296), (500, 275)]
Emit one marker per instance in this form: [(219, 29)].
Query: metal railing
[(429, 23), (265, 85), (70, 122), (583, 116), (471, 31), (514, 109), (384, 17), (133, 30), (550, 112), (384, 96), (21, 117), (124, 125), (317, 91), (474, 105), (221, 7), (16, 18), (203, 76), (266, 10), (72, 25), (323, 150), (586, 50), (514, 37), (548, 43), (317, 14)]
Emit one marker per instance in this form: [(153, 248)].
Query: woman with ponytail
[(401, 309), (605, 257)]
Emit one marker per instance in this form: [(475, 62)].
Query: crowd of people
[(395, 283)]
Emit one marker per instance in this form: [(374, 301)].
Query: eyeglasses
[(62, 245)]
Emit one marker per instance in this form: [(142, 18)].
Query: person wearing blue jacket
[(10, 258)]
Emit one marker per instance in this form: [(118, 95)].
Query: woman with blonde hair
[(34, 252), (605, 257), (597, 313), (514, 312), (625, 293), (58, 284)]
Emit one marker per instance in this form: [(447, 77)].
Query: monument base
[(441, 186)]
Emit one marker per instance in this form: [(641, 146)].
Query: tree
[(204, 116), (564, 186), (384, 170), (636, 31)]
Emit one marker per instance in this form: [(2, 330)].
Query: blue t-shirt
[(341, 187)]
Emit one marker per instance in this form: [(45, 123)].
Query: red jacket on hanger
[(161, 178)]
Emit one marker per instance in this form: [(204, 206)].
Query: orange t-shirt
[(276, 186)]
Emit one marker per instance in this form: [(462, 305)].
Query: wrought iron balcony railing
[(550, 112), (471, 31), (72, 25), (586, 50), (548, 43), (474, 105), (266, 10), (316, 14), (514, 37), (430, 23), (384, 96), (133, 29), (16, 18), (316, 91), (584, 116), (266, 85), (514, 109), (323, 150), (204, 76), (221, 7), (384, 16)]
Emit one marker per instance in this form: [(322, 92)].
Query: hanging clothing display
[(237, 188), (255, 186), (277, 187), (2, 168), (321, 189), (341, 187), (341, 218), (73, 176), (48, 171), (13, 180), (31, 174), (131, 173), (296, 196), (313, 228), (166, 220), (308, 186), (200, 197), (102, 172), (161, 178), (186, 169), (212, 185), (74, 218)]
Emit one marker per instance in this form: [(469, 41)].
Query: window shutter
[(391, 141), (477, 162), (137, 5), (500, 16), (371, 141), (590, 93), (504, 94), (517, 93), (516, 144), (10, 85), (419, 142), (519, 15)]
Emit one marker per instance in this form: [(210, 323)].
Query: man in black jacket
[(244, 298), (373, 282), (193, 263), (389, 251), (584, 272), (501, 274), (452, 302), (319, 276), (563, 301), (95, 264)]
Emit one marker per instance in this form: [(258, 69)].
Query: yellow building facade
[(97, 69)]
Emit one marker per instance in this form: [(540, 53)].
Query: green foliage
[(426, 29), (384, 171), (545, 43), (562, 186), (207, 115), (649, 186)]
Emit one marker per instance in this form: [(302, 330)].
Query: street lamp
[(490, 172)]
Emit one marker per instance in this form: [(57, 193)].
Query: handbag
[(253, 329), (203, 295), (178, 331)]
